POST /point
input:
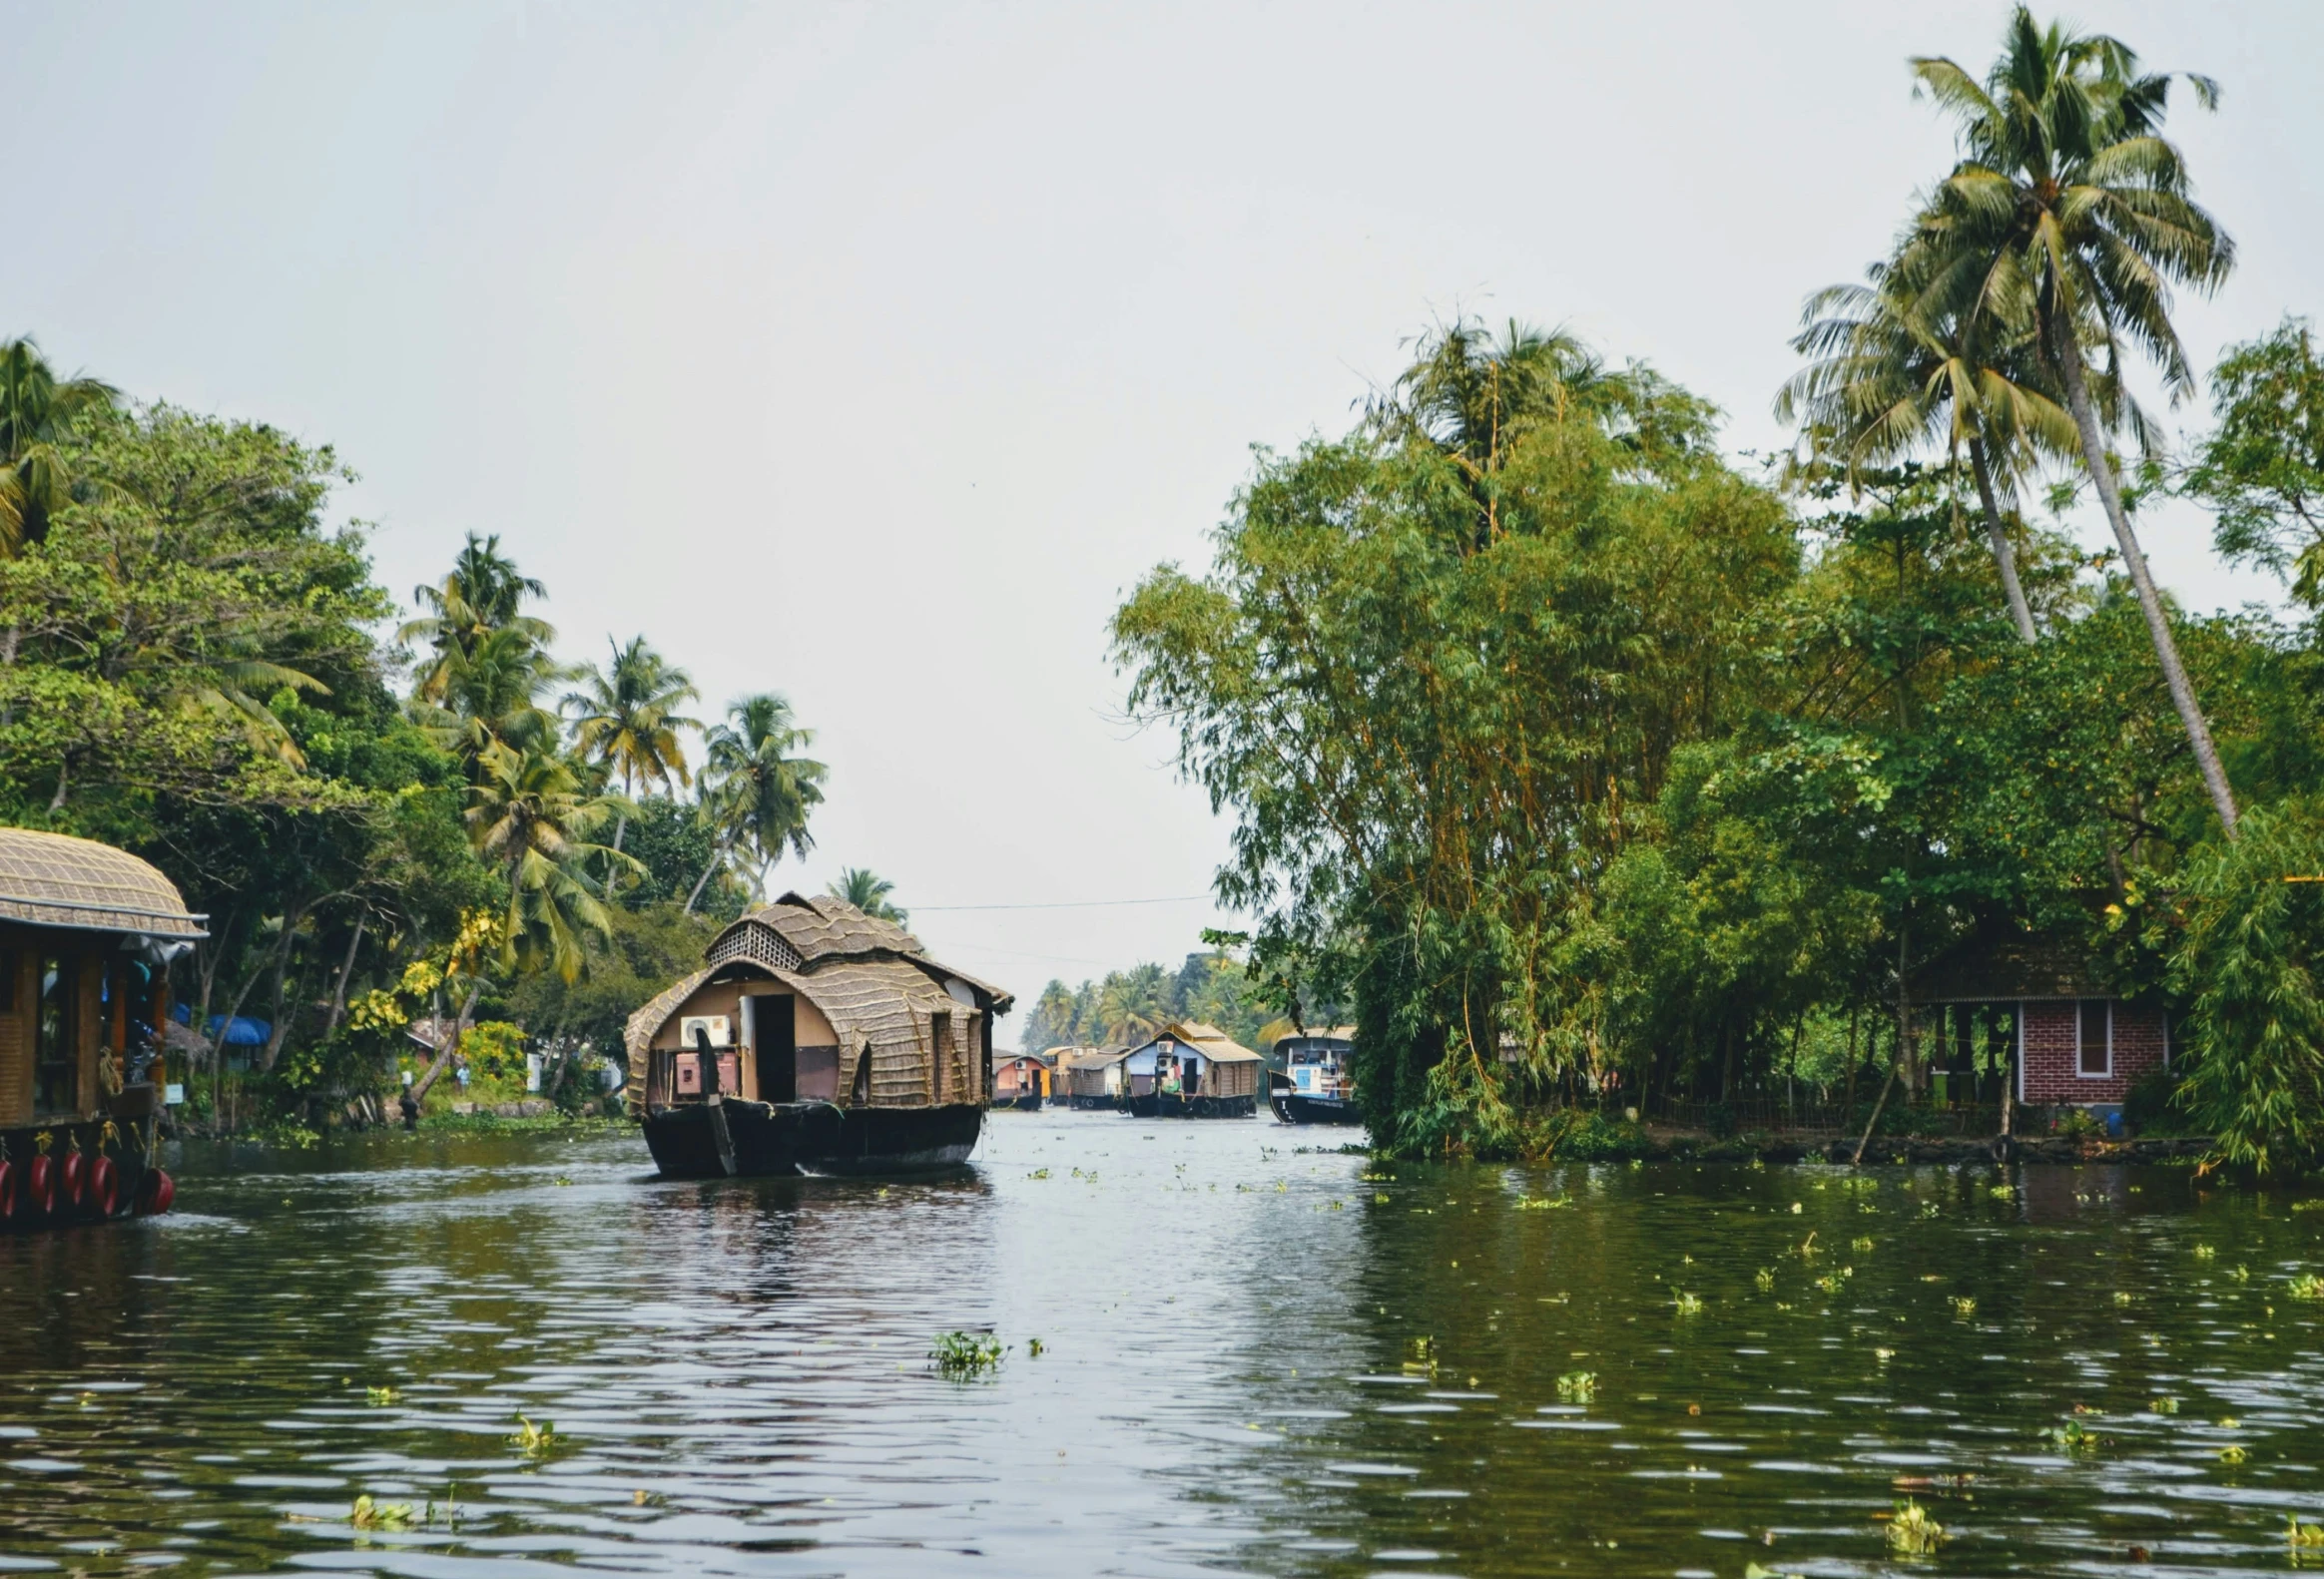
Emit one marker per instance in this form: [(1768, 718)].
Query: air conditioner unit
[(721, 1030)]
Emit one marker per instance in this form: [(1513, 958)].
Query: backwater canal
[(1254, 1359)]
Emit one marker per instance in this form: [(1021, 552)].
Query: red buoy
[(7, 1190), (155, 1192), (70, 1174), (40, 1186), (102, 1193)]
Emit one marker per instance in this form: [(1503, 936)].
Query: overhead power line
[(1070, 905)]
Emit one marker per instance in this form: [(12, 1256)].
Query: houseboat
[(1023, 1081), (1314, 1084), (1195, 1071), (87, 934), (1091, 1078), (815, 1039)]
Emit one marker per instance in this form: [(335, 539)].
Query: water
[(1233, 1377)]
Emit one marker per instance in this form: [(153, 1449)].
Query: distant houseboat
[(1022, 1082), (1091, 1078), (1315, 1085), (87, 934), (816, 1039), (1192, 1070)]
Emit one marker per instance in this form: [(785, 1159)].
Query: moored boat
[(1314, 1086), (1190, 1070), (816, 1039), (87, 934)]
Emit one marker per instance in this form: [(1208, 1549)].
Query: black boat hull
[(127, 1144), (1030, 1102), (1292, 1108), (1156, 1105), (1094, 1104), (761, 1139)]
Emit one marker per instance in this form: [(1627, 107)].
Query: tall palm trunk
[(2005, 557), (2174, 674)]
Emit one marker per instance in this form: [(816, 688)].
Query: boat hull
[(129, 1177), (1030, 1102), (762, 1139), (1156, 1105), (1093, 1104), (1292, 1108)]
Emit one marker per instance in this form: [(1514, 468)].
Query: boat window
[(57, 1079)]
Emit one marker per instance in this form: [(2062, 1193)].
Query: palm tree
[(38, 412), (2068, 212), (530, 814), (1133, 1003), (757, 792), (483, 594), (1887, 379), (626, 719), (869, 893)]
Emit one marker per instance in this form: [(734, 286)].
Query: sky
[(870, 354)]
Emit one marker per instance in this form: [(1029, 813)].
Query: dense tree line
[(438, 824), (1581, 759), (1127, 1007)]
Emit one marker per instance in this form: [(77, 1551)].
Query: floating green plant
[(2310, 1286), (1577, 1387), (1035, 1348), (1686, 1303), (1543, 1203), (1861, 1244), (1833, 1281), (1038, 1173), (1911, 1530), (962, 1354), (369, 1515), (1765, 1278), (2073, 1436), (1964, 1305), (1759, 1571), (2302, 1534), (2232, 1455), (534, 1439), (2164, 1405), (379, 1395), (2121, 1297), (2205, 1252)]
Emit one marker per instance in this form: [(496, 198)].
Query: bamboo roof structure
[(53, 879)]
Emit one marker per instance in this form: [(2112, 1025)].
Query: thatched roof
[(50, 879), (800, 931)]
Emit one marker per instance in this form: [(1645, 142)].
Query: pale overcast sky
[(869, 352)]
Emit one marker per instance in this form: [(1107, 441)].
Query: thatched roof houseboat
[(1023, 1080), (1091, 1077), (1193, 1070), (817, 1038), (87, 932)]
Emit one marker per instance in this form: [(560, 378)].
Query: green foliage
[(2262, 468), (963, 1356), (2247, 969), (871, 893), (1127, 1006)]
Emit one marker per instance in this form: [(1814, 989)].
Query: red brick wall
[(2049, 1051)]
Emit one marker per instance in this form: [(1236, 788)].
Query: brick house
[(2070, 1039)]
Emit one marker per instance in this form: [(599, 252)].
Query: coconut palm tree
[(530, 814), (756, 791), (1888, 380), (2070, 213), (483, 594), (869, 893), (38, 412), (626, 720)]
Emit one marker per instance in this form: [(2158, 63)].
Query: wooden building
[(87, 932), (1193, 1070), (835, 1036), (2066, 1038)]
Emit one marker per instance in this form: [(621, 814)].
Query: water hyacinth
[(1577, 1387), (960, 1356), (1912, 1532)]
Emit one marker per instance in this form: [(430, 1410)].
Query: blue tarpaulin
[(243, 1032)]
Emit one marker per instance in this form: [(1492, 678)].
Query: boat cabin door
[(774, 1034)]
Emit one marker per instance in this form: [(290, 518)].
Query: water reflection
[(1254, 1359)]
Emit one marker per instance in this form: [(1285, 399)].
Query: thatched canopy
[(50, 879), (1208, 1040)]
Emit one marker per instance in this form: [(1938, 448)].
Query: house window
[(56, 1064), (2097, 1037)]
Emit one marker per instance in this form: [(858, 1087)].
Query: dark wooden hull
[(1093, 1104), (128, 1151), (1292, 1108), (1157, 1105), (761, 1139), (1030, 1102)]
